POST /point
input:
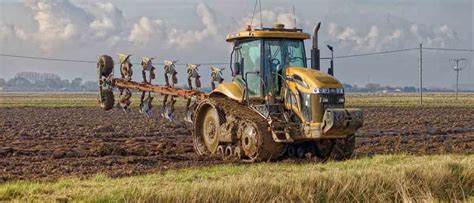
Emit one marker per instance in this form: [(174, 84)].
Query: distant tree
[(76, 84), (2, 82), (66, 85), (409, 89), (89, 86), (18, 84), (53, 84), (372, 87)]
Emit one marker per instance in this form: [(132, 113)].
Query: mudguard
[(230, 89)]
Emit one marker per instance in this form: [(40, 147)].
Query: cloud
[(185, 38), (143, 31), (379, 38), (61, 24), (58, 21), (7, 31), (146, 31), (270, 17), (108, 21), (58, 24)]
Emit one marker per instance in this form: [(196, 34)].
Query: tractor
[(275, 106)]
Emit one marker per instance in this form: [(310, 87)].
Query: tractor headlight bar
[(329, 90)]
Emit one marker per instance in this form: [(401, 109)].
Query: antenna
[(294, 15), (458, 65), (261, 20), (253, 14)]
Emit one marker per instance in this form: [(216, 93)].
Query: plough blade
[(216, 76), (193, 73), (125, 66), (170, 70)]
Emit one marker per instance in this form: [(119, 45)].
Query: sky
[(194, 31)]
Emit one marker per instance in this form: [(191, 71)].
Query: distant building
[(34, 77)]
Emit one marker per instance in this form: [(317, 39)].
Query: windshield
[(282, 53)]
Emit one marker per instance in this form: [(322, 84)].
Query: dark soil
[(47, 143)]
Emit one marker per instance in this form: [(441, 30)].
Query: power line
[(375, 53), (47, 59), (448, 49), (84, 61)]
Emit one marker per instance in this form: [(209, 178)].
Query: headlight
[(329, 90), (341, 100), (324, 100)]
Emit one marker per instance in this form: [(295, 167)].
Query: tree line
[(36, 82)]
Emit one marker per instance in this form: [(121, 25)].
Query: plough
[(107, 82)]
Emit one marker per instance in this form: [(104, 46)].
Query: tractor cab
[(260, 58)]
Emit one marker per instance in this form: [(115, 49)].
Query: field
[(404, 151)]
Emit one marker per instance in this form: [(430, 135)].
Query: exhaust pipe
[(315, 57)]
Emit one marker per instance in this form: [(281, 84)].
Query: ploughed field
[(47, 143)]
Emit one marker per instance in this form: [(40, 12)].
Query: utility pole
[(458, 65), (421, 73)]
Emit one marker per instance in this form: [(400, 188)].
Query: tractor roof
[(278, 31)]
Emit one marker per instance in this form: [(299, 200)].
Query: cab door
[(249, 53)]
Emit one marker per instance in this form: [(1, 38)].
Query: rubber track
[(269, 149)]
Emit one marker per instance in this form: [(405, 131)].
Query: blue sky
[(194, 31)]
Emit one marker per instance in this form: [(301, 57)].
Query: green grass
[(380, 178), (352, 100)]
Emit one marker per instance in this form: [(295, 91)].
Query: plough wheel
[(105, 65), (107, 99)]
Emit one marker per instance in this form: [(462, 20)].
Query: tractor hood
[(310, 79)]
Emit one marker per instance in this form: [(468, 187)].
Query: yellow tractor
[(276, 105)]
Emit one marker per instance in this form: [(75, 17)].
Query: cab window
[(280, 54), (250, 51)]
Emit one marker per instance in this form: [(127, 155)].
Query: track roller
[(220, 151), (229, 152)]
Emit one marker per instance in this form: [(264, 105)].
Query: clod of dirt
[(23, 133), (103, 129), (4, 151), (107, 149)]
